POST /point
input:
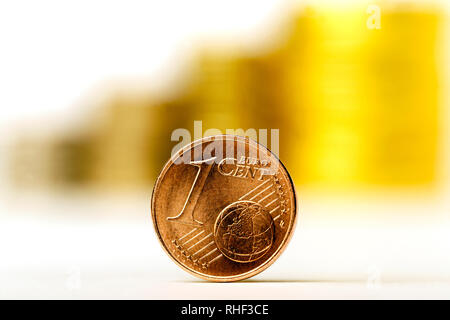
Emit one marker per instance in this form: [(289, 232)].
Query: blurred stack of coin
[(323, 73), (50, 159), (402, 90), (121, 145), (234, 91), (132, 139), (177, 113), (31, 164), (363, 101), (72, 160)]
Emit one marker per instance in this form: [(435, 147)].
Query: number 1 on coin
[(204, 168)]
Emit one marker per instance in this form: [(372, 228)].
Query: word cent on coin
[(224, 208)]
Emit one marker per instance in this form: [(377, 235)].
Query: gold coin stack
[(363, 101), (402, 92), (231, 91), (121, 143)]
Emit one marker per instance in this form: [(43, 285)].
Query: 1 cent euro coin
[(224, 208)]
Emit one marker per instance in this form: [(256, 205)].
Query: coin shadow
[(278, 281), (298, 281)]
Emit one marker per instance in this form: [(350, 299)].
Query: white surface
[(81, 248)]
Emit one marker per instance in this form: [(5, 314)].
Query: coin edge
[(247, 274)]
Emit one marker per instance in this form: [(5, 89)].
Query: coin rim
[(249, 273)]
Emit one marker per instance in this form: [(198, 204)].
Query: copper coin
[(224, 208)]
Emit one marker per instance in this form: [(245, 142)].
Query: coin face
[(224, 208)]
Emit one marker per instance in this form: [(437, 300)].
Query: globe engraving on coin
[(224, 208), (244, 231)]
